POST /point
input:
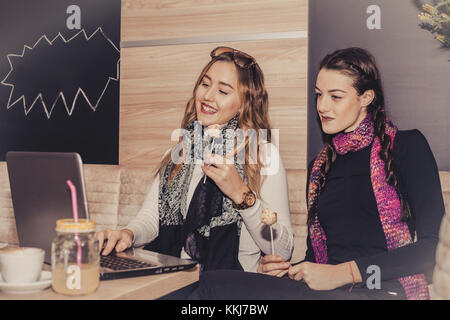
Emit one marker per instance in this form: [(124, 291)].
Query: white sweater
[(255, 236)]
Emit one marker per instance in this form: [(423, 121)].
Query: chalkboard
[(414, 66), (59, 77)]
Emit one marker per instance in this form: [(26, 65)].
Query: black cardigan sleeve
[(420, 184)]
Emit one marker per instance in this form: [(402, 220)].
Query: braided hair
[(360, 65)]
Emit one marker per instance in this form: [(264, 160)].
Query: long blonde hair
[(254, 115)]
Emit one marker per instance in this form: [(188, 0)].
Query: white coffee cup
[(21, 265)]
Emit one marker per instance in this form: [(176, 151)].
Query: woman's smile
[(207, 109)]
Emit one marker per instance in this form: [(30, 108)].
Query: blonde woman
[(207, 198)]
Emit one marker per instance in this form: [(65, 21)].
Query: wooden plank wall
[(157, 80)]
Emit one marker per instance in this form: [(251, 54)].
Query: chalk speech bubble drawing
[(60, 69)]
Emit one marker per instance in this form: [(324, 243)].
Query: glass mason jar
[(75, 257)]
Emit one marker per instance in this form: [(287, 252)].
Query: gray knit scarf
[(173, 198)]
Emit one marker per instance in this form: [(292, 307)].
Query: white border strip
[(216, 39)]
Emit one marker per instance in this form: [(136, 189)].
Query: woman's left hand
[(223, 172), (321, 276)]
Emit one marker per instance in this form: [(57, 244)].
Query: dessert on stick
[(269, 217)]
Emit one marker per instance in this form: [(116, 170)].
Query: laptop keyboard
[(119, 263)]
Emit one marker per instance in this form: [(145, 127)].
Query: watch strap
[(244, 203)]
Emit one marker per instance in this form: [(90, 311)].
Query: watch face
[(250, 199)]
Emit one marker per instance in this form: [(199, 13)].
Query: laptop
[(41, 196)]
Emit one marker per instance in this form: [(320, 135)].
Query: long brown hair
[(360, 65), (254, 115)]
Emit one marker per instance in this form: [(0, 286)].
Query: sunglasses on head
[(242, 59)]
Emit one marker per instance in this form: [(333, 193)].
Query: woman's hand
[(273, 265), (119, 239), (325, 276), (223, 172)]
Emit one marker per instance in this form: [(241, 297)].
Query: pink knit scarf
[(389, 207)]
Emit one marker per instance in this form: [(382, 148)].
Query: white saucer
[(22, 288)]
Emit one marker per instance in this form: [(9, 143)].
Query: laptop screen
[(40, 194)]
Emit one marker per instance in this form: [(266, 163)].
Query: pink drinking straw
[(73, 192)]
